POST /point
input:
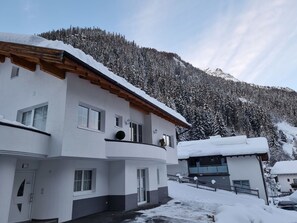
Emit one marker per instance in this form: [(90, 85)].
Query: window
[(35, 117), (83, 180), (90, 118), (14, 72), (241, 185), (158, 176), (295, 181), (167, 140), (118, 121), (288, 180), (135, 132)]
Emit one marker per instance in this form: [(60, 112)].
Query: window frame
[(30, 122), (137, 135), (82, 181), (119, 123), (168, 139), (15, 70), (100, 123)]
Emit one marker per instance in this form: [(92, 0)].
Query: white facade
[(285, 181), (68, 170)]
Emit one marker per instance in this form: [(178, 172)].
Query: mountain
[(214, 105), (219, 73)]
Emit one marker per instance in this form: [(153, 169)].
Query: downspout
[(262, 172)]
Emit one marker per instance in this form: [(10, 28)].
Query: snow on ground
[(190, 205), (291, 134)]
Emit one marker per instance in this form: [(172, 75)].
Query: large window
[(83, 180), (35, 117), (90, 118), (135, 132), (208, 165)]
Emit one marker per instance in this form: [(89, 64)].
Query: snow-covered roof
[(80, 55), (285, 167), (226, 146)]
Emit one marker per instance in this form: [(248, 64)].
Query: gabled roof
[(57, 58), (285, 167), (223, 146)]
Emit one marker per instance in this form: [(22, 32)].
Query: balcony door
[(22, 195), (141, 186), (135, 132)]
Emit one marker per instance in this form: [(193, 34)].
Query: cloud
[(244, 43)]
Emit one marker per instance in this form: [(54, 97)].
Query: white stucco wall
[(31, 89), (7, 172), (285, 181), (247, 168), (85, 142), (53, 194)]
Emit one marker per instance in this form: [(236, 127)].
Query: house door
[(141, 186), (22, 195)]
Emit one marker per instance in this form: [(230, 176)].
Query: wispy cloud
[(244, 43)]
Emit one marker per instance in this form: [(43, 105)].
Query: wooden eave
[(58, 62)]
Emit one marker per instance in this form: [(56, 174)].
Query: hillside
[(213, 104)]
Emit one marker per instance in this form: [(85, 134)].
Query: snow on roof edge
[(89, 60)]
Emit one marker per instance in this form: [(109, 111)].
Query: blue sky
[(254, 40)]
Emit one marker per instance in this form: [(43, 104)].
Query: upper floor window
[(14, 71), (135, 132), (35, 117), (118, 121), (167, 140), (90, 118)]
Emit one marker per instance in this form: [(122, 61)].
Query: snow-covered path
[(191, 205)]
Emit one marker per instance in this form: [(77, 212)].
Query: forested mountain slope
[(212, 104)]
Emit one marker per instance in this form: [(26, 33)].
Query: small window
[(83, 180), (90, 118), (35, 117), (288, 180), (167, 140), (295, 181), (118, 121), (14, 72), (158, 176)]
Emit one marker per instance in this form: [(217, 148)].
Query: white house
[(230, 161), (286, 175), (62, 117)]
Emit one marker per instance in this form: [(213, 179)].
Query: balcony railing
[(120, 149), (220, 169)]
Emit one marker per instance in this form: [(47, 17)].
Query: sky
[(253, 40)]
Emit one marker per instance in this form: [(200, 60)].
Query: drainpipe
[(262, 172)]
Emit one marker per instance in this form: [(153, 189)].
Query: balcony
[(127, 150), (24, 141), (209, 170)]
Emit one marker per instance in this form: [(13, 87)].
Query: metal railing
[(194, 181)]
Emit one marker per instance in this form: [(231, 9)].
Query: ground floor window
[(242, 185), (83, 180)]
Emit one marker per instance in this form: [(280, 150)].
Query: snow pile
[(227, 146), (79, 54), (293, 197), (3, 120), (291, 135), (178, 62), (285, 167), (219, 73), (192, 205)]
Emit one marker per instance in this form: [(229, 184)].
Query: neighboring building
[(62, 115), (230, 161), (286, 175)]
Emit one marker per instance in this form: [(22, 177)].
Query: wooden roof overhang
[(57, 62)]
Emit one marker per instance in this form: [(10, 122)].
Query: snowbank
[(227, 146), (285, 167)]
